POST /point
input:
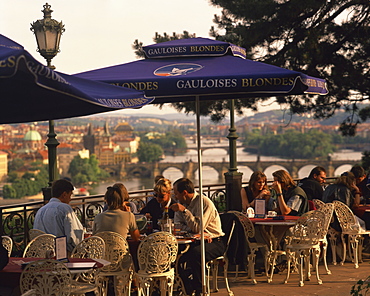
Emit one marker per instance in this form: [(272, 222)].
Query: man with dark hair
[(187, 212), (313, 184), (57, 216), (361, 181)]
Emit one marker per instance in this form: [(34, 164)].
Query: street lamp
[(48, 33)]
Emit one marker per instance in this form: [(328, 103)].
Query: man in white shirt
[(57, 216), (187, 212)]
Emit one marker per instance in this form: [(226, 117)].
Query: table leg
[(178, 285)]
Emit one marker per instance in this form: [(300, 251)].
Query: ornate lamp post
[(48, 33)]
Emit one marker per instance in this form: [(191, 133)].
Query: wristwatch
[(184, 211)]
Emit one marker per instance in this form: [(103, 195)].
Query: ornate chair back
[(46, 277), (7, 243), (346, 218), (157, 252), (32, 233), (38, 247), (309, 229), (92, 247), (318, 203), (328, 210), (116, 251)]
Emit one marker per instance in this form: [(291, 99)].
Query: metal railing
[(17, 219)]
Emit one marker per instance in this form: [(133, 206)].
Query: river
[(211, 177)]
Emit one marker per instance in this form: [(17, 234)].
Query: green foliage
[(361, 287), (31, 182), (292, 144), (171, 142), (149, 152), (9, 192), (84, 170), (327, 39), (15, 164)]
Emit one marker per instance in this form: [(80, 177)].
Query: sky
[(100, 33)]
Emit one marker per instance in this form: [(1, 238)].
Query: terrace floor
[(339, 283)]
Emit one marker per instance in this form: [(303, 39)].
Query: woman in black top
[(257, 189)]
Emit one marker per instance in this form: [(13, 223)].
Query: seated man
[(313, 184), (57, 216), (162, 198), (292, 200), (361, 182), (187, 212)]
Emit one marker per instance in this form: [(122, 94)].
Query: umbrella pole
[(200, 174)]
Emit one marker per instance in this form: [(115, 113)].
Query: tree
[(83, 170), (148, 152), (9, 192), (326, 39), (321, 38), (169, 142)]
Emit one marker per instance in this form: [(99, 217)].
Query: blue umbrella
[(31, 91), (182, 69), (204, 69)]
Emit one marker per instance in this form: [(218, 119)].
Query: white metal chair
[(7, 243), (214, 264), (352, 229), (116, 252), (46, 277), (38, 247), (94, 248), (32, 233), (327, 209), (332, 233), (156, 254), (305, 239), (253, 246)]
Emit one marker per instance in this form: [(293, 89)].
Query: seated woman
[(345, 190), (257, 189), (127, 205), (116, 218), (162, 198)]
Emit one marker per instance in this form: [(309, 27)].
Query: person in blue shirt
[(57, 216)]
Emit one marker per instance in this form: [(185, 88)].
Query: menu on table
[(259, 208)]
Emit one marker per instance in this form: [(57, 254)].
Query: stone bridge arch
[(189, 167)]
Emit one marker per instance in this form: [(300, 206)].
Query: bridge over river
[(189, 168)]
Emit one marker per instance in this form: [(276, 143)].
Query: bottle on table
[(166, 222)]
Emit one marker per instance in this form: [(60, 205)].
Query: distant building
[(112, 149), (32, 140), (3, 165)]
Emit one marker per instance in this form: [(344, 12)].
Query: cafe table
[(10, 275), (273, 230)]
